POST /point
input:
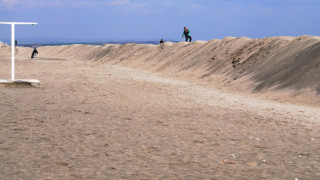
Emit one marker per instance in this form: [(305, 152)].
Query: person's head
[(185, 28)]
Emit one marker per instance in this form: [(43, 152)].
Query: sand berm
[(260, 65), (276, 63)]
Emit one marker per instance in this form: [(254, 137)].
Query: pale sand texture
[(90, 120)]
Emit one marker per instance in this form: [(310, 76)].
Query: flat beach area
[(94, 120)]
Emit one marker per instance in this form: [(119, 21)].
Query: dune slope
[(257, 65)]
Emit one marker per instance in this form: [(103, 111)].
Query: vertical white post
[(13, 43), (12, 51)]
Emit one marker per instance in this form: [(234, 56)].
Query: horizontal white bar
[(7, 81), (18, 23)]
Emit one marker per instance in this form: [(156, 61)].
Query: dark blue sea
[(88, 43)]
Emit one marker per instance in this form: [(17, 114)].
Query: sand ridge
[(275, 64)]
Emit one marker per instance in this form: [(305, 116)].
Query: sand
[(98, 114)]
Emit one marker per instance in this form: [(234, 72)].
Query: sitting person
[(34, 53)]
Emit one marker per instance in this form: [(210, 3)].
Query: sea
[(25, 43), (87, 43)]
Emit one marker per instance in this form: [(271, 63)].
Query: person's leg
[(190, 38), (186, 38)]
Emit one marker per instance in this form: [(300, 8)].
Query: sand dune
[(281, 68), (289, 64)]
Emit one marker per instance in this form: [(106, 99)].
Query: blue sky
[(153, 19)]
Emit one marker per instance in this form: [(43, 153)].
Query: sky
[(155, 19)]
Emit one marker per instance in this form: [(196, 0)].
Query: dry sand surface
[(151, 112)]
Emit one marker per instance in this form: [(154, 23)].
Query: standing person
[(186, 33), (162, 43), (34, 53)]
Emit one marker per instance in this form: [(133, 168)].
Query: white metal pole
[(13, 43), (12, 51)]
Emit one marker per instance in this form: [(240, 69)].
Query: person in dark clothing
[(186, 33), (34, 53), (161, 41), (16, 43)]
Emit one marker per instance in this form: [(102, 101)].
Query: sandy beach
[(177, 111)]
